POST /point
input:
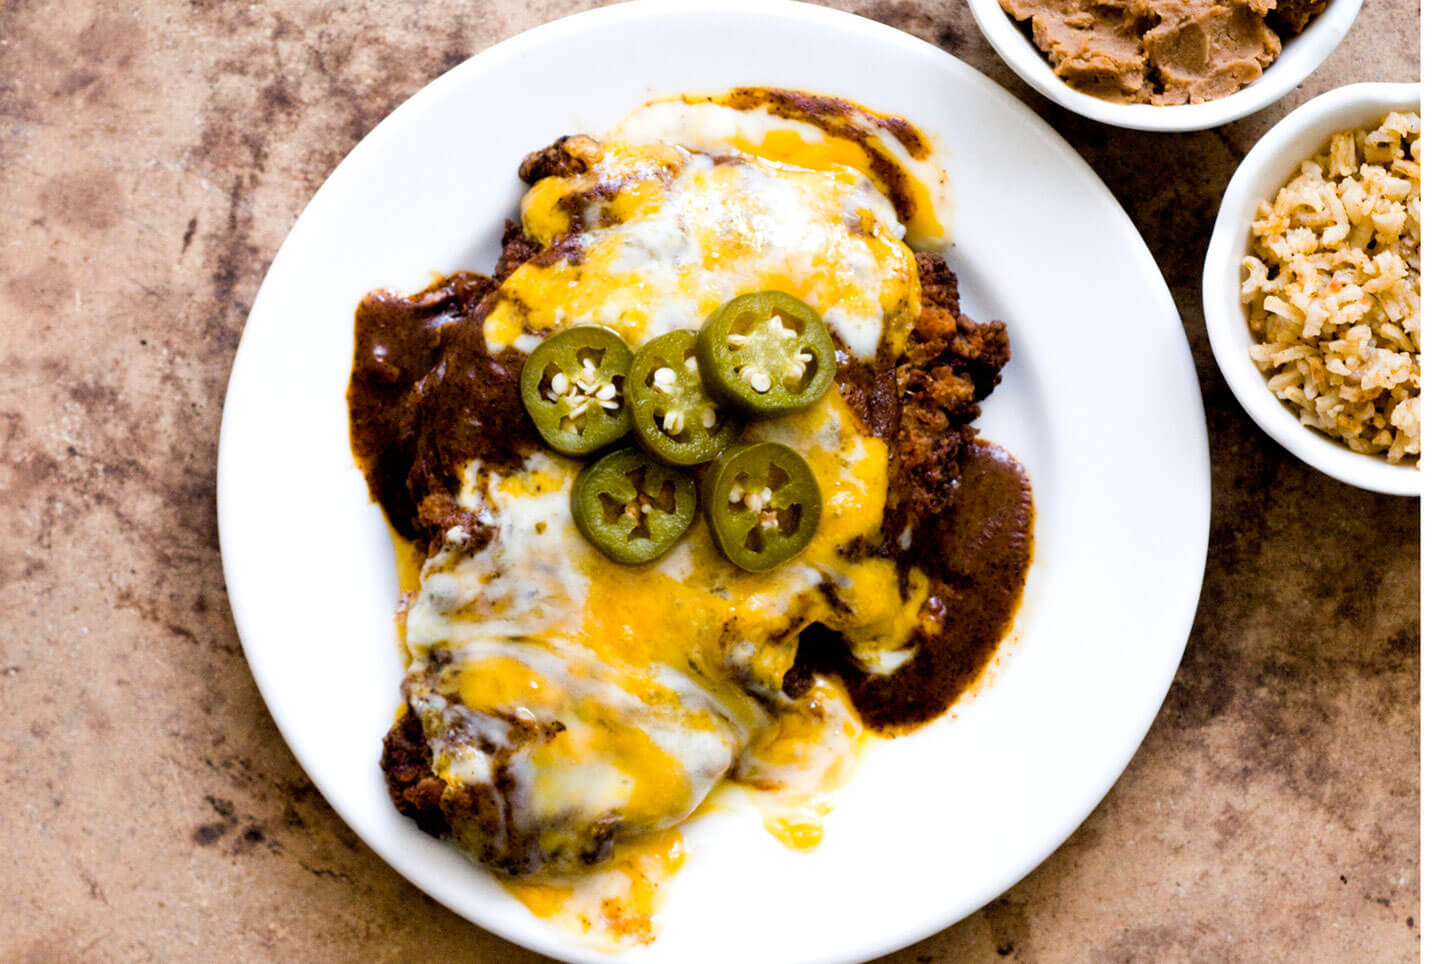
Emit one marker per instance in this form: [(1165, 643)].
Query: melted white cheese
[(665, 237), (651, 682)]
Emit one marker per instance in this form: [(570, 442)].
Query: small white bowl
[(1297, 60), (1271, 163)]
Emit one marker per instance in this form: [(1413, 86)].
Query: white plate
[(1100, 402)]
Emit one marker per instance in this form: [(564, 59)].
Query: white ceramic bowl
[(1298, 60), (1269, 165)]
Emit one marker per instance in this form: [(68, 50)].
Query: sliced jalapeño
[(766, 353), (572, 385), (676, 419), (762, 504), (631, 507)]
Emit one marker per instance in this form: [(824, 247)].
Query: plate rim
[(538, 36)]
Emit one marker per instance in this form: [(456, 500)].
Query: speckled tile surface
[(153, 157)]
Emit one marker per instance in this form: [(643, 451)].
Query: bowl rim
[(1298, 59), (1266, 168)]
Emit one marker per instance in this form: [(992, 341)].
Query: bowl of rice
[(1312, 285)]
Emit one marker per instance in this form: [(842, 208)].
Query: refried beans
[(1161, 52)]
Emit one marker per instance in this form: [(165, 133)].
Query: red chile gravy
[(976, 561)]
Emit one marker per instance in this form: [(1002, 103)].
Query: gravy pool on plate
[(563, 713)]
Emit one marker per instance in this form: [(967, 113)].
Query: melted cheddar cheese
[(722, 124), (655, 238), (652, 683), (642, 662)]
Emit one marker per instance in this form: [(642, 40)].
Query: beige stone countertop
[(152, 158)]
